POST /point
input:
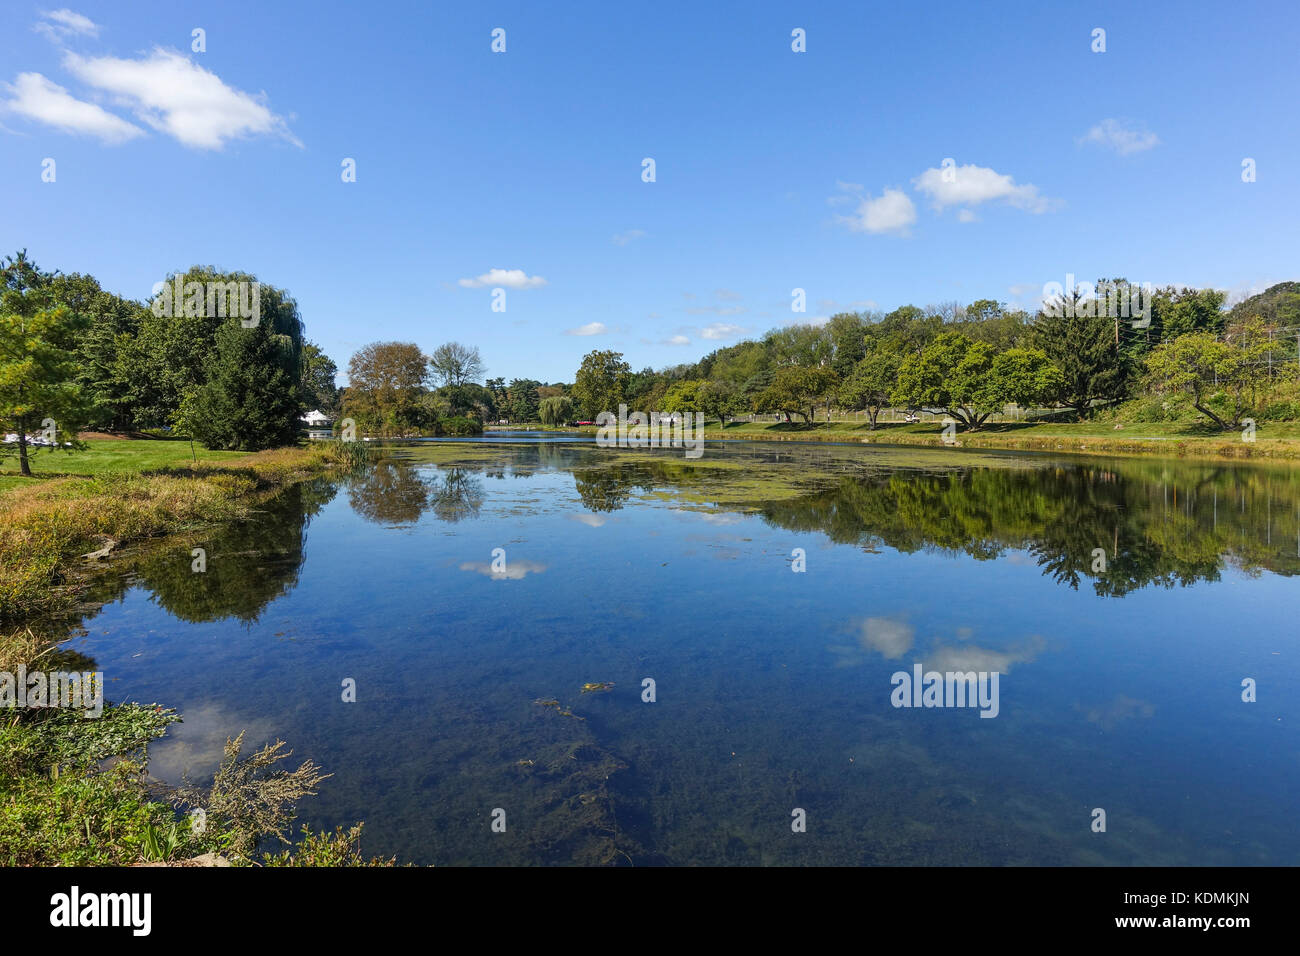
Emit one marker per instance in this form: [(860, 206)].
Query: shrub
[(460, 426), (340, 848)]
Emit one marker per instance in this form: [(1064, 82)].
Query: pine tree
[(250, 398)]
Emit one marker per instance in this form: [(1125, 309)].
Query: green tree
[(500, 393), (471, 399), (949, 373), (1174, 311), (170, 353), (806, 345), (319, 390), (556, 410), (907, 329), (645, 389), (1083, 347), (522, 400), (38, 370), (385, 381), (719, 400), (1024, 377), (682, 396), (738, 363), (250, 396), (38, 340), (1200, 366), (970, 380), (870, 383), (848, 338), (601, 383), (112, 322), (984, 310), (796, 391)]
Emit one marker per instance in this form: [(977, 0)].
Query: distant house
[(316, 419)]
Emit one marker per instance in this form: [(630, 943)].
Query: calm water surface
[(1120, 688)]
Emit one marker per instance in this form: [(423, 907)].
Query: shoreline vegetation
[(1075, 438), (76, 791), (55, 527)]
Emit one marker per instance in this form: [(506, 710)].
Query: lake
[(750, 610)]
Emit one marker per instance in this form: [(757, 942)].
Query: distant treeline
[(1185, 356), (972, 361), (222, 358)]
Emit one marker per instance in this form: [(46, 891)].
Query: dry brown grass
[(21, 648), (46, 527)]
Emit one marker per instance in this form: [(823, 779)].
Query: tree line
[(395, 389), (76, 357), (971, 362)]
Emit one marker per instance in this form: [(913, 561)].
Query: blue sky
[(775, 170)]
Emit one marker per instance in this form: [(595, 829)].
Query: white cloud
[(968, 657), (40, 99), (623, 238), (971, 185), (892, 212), (890, 637), (59, 24), (716, 310), (677, 340), (965, 215), (506, 278), (1123, 137), (180, 98), (720, 330), (515, 570), (591, 328)]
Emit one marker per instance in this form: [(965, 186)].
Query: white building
[(316, 419)]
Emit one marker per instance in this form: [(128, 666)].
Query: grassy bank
[(109, 498), (1275, 442), (76, 791), (103, 456)]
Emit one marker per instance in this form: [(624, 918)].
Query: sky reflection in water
[(1120, 689)]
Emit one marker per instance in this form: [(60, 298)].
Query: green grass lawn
[(106, 455)]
